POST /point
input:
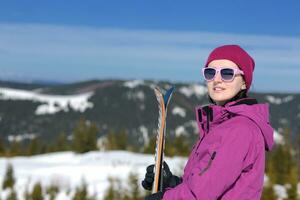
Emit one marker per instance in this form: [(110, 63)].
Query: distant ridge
[(46, 110)]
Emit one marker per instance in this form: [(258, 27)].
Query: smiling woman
[(228, 160), (228, 72)]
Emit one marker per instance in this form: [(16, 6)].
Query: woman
[(228, 160)]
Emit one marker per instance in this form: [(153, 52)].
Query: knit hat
[(237, 55)]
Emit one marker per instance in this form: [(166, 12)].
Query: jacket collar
[(210, 115), (247, 101)]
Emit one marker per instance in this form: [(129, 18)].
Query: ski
[(163, 102)]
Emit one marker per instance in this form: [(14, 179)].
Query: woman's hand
[(169, 180)]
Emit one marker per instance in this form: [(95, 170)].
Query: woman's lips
[(218, 89)]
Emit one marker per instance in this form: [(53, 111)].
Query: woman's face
[(221, 91)]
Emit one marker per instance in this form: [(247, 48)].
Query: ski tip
[(168, 95)]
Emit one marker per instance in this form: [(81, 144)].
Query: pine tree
[(268, 190), (282, 168), (177, 146), (182, 145), (269, 193), (12, 195), (150, 147), (118, 141), (272, 174), (9, 179), (282, 161), (112, 141), (110, 192), (271, 171), (15, 148), (34, 147), (170, 150), (62, 143), (84, 137), (81, 193), (2, 148), (91, 141), (297, 153), (52, 191), (37, 192), (293, 181), (27, 195), (134, 192), (122, 138), (113, 192)]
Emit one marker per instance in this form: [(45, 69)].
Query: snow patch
[(277, 100), (152, 86), (179, 111), (51, 103), (134, 83), (101, 142), (142, 106), (19, 138), (288, 98), (144, 131), (136, 95), (278, 138), (281, 192), (273, 99), (140, 95), (193, 89), (180, 130), (283, 121), (194, 125)]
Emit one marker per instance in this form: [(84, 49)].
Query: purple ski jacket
[(228, 160)]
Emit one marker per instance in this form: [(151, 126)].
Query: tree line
[(116, 191), (85, 138)]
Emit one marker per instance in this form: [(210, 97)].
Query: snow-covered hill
[(67, 170), (50, 103)]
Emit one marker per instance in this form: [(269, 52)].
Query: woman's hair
[(240, 95)]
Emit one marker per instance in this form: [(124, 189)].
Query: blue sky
[(75, 40)]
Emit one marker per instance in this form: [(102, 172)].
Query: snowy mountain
[(47, 110)]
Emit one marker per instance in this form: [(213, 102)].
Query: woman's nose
[(218, 77)]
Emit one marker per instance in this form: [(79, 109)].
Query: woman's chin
[(220, 97)]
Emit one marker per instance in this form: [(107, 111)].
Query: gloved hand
[(169, 180), (155, 196)]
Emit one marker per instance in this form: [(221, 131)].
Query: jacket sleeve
[(225, 168)]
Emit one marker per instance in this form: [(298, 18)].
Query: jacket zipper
[(209, 163)]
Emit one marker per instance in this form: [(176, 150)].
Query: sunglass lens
[(209, 73), (227, 74)]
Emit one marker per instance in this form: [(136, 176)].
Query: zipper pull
[(213, 155), (209, 163)]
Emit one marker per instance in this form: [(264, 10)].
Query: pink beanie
[(237, 55)]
